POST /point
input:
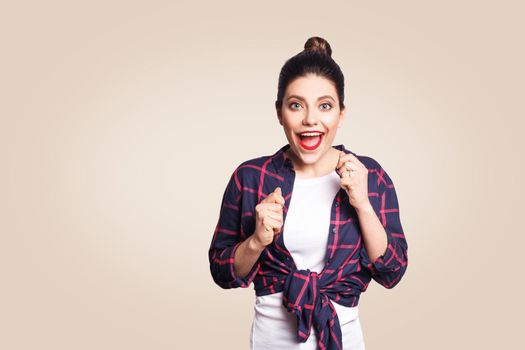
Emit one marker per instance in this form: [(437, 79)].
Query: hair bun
[(319, 45)]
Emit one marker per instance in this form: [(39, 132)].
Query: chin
[(310, 157)]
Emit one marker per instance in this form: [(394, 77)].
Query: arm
[(247, 255), (374, 235), (385, 252), (229, 242)]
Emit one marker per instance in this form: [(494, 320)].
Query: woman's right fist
[(269, 217)]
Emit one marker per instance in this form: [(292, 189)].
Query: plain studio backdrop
[(122, 121)]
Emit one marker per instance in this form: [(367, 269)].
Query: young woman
[(312, 253)]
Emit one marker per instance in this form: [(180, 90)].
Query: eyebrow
[(302, 99)]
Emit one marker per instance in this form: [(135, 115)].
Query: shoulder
[(254, 164), (251, 168)]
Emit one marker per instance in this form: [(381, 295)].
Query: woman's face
[(310, 103)]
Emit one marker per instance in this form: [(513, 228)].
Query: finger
[(273, 215), (349, 157), (356, 160), (340, 171), (345, 167), (271, 199), (275, 197), (348, 183), (339, 161), (280, 201), (345, 159), (347, 173), (275, 207), (275, 225), (350, 169), (279, 196), (351, 166)]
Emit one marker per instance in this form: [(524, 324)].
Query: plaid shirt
[(347, 271)]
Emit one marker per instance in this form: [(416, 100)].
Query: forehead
[(311, 86)]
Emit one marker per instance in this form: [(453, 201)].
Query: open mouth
[(310, 141)]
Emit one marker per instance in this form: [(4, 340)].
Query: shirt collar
[(279, 158)]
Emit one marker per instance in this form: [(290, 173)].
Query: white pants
[(273, 327)]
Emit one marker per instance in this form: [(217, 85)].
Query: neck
[(324, 166)]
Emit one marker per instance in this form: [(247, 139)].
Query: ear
[(341, 117), (279, 115)]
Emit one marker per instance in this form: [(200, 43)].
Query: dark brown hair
[(316, 58)]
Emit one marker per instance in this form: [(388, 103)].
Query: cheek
[(287, 126), (331, 133), (333, 129)]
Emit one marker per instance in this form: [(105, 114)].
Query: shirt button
[(337, 204), (333, 230)]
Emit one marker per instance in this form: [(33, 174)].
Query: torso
[(305, 234)]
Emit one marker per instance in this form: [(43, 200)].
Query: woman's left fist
[(354, 179)]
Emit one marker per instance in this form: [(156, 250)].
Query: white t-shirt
[(306, 238)]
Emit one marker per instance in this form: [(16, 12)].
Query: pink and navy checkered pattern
[(347, 271)]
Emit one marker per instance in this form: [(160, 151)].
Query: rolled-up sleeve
[(389, 268), (227, 237)]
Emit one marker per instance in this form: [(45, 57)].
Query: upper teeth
[(311, 133)]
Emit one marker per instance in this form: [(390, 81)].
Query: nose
[(310, 118)]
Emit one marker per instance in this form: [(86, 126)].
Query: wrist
[(365, 208), (254, 245)]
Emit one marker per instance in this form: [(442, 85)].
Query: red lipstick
[(310, 147)]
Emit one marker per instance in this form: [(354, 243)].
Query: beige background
[(122, 121)]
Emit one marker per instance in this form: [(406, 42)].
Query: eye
[(295, 104), (326, 104)]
